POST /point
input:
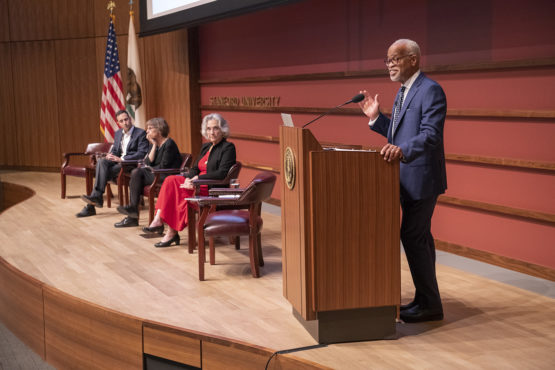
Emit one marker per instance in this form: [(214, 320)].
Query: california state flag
[(134, 99)]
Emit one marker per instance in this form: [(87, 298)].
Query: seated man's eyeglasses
[(123, 120)]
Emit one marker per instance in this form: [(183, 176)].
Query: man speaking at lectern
[(415, 137)]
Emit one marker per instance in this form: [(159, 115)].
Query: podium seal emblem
[(289, 168)]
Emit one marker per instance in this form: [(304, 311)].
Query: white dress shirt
[(125, 141)]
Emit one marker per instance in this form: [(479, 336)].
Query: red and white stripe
[(112, 101)]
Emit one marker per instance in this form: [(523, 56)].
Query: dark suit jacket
[(137, 147), (419, 134), (220, 161)]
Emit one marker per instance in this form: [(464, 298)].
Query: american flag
[(112, 90)]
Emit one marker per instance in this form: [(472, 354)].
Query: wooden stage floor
[(487, 324)]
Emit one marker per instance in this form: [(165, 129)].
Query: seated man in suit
[(130, 143)]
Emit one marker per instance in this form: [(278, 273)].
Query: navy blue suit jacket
[(419, 134), (137, 147)]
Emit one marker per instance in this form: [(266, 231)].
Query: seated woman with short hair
[(163, 153), (214, 161)]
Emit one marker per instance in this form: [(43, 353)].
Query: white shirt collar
[(408, 83), (128, 133)]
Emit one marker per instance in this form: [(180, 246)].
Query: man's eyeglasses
[(123, 120), (395, 60)]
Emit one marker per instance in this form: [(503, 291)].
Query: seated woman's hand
[(188, 184)]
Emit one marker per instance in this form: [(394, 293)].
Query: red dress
[(171, 200)]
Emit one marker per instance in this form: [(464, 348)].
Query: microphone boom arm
[(357, 98), (323, 114)]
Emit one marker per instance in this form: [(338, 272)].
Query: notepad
[(287, 120), (229, 196)]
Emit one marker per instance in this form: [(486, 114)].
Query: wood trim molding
[(497, 260), (525, 214), (260, 167), (445, 68), (472, 159), (548, 115), (502, 162), (264, 139), (32, 168)]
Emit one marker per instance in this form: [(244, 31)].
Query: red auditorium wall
[(494, 59)]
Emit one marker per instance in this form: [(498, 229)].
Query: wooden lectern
[(340, 239)]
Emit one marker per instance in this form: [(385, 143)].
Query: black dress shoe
[(409, 305), (154, 229), (127, 222), (87, 211), (169, 242), (418, 314), (129, 211), (94, 201)]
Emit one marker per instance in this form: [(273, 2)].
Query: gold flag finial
[(131, 8), (110, 7)]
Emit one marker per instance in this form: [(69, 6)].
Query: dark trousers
[(419, 246), (140, 177), (106, 170)]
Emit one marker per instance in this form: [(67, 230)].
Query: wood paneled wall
[(51, 64), (36, 103), (172, 92)]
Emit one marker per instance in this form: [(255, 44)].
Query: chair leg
[(235, 240), (191, 220), (212, 251), (150, 209), (253, 254), (259, 243), (89, 182), (109, 195), (125, 200), (63, 185), (201, 254)]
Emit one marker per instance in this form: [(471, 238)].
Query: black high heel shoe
[(169, 242), (154, 229)]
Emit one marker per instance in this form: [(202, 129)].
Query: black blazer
[(137, 146), (166, 156), (220, 160)]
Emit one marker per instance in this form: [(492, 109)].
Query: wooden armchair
[(87, 171), (231, 222), (233, 173)]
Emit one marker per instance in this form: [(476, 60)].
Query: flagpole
[(110, 7), (135, 104)]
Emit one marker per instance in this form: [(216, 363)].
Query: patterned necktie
[(398, 109)]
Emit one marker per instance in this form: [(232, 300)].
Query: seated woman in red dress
[(214, 161)]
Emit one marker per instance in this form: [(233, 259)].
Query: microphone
[(355, 99)]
